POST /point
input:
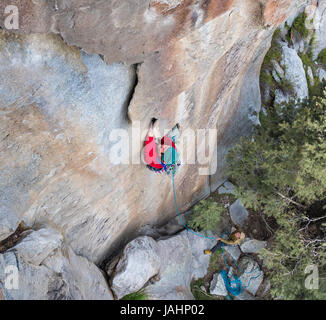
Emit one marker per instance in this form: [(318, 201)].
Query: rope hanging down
[(180, 217), (233, 286)]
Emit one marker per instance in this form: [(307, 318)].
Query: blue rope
[(227, 281), (243, 271), (229, 284), (232, 286)]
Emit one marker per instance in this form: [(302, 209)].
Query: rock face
[(49, 270), (227, 188), (8, 223), (238, 213), (252, 245), (318, 14), (174, 262), (321, 74), (217, 286), (294, 74), (252, 276), (139, 263), (233, 251), (38, 245), (190, 62), (298, 71)]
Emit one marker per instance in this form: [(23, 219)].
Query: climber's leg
[(215, 248), (174, 133), (168, 141), (150, 149)]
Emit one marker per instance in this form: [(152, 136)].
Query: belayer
[(235, 238), (161, 155)]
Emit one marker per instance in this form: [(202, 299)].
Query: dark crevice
[(102, 57), (14, 238), (129, 98), (317, 209)]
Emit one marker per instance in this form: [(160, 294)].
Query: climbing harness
[(234, 286), (168, 168)]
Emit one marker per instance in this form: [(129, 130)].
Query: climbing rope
[(243, 271), (180, 217), (233, 286)]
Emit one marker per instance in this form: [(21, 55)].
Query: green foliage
[(300, 26), (313, 41), (215, 261), (206, 216), (196, 290), (288, 35), (286, 85), (274, 53), (139, 295), (322, 57), (267, 78), (281, 172), (317, 88), (307, 59)]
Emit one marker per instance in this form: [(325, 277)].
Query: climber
[(161, 155), (235, 238)]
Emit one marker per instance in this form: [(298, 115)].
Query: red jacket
[(150, 155)]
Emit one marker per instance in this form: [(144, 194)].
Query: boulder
[(227, 187), (321, 74), (310, 76), (281, 97), (8, 223), (38, 245), (47, 269), (233, 251), (82, 279), (174, 262), (182, 261), (197, 245), (238, 213), (252, 245), (217, 286), (252, 275), (140, 261), (319, 26), (294, 72)]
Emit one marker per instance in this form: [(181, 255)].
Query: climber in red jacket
[(158, 155)]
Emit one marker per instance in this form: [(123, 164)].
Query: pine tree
[(281, 172)]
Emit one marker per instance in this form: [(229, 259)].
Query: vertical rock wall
[(117, 64)]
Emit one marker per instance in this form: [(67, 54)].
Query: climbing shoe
[(156, 130), (208, 252), (153, 120)]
